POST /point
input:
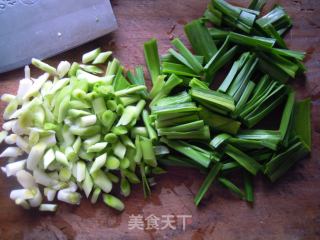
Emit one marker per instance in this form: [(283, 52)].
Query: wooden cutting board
[(289, 209)]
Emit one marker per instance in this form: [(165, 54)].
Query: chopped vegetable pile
[(80, 127), (221, 130), (75, 127)]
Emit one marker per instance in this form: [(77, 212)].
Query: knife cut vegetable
[(252, 89), (75, 132)]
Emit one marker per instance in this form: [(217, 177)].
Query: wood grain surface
[(289, 209)]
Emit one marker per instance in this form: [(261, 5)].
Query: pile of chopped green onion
[(79, 127), (222, 130)]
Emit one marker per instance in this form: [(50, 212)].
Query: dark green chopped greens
[(200, 39), (248, 187), (214, 171), (252, 49), (231, 186), (257, 4)]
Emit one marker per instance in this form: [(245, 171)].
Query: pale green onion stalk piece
[(35, 155), (119, 150), (90, 56), (124, 163), (148, 152), (91, 78), (112, 67), (7, 97), (24, 194), (111, 138), (130, 90), (138, 155), (45, 207), (81, 171), (113, 178), (95, 195), (50, 194), (12, 168), (139, 131), (61, 158), (25, 179), (10, 109), (98, 163), (43, 66), (72, 187), (127, 141), (131, 113), (87, 184), (91, 69), (73, 69), (151, 132), (70, 154), (48, 158), (112, 163), (77, 145), (113, 202), (88, 120), (99, 106), (37, 199), (91, 141), (65, 174), (125, 187), (3, 135), (11, 152), (43, 178), (63, 68), (101, 180), (98, 147), (69, 197), (102, 57)]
